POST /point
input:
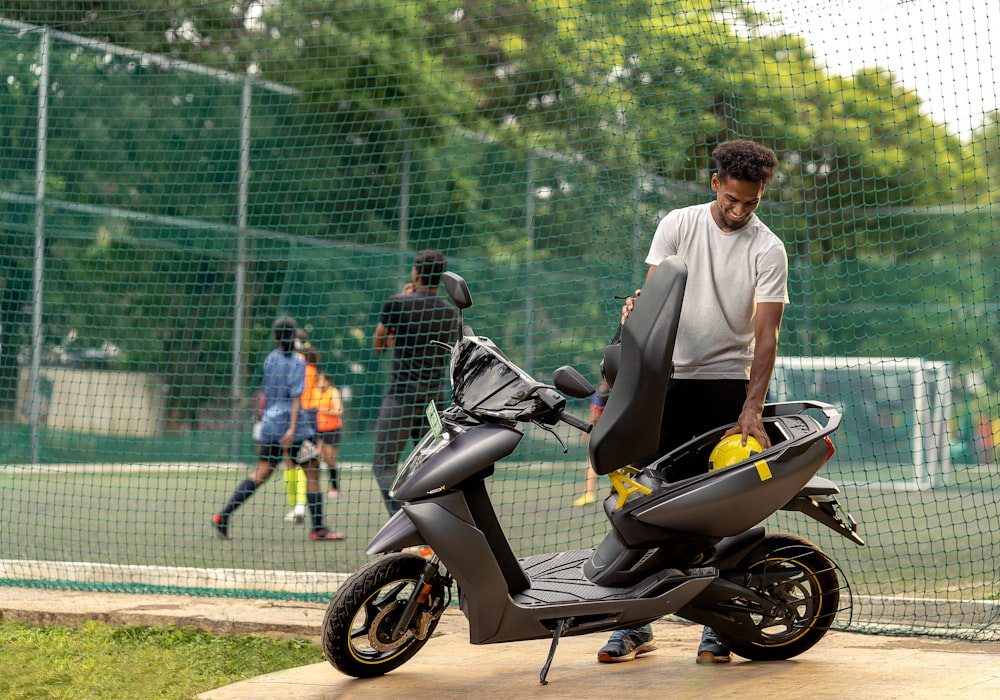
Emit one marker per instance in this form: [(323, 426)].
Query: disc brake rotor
[(796, 606), (380, 630)]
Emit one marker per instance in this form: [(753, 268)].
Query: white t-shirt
[(728, 273)]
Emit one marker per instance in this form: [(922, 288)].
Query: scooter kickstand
[(563, 624)]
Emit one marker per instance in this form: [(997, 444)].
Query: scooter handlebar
[(578, 423)]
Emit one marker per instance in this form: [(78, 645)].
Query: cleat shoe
[(221, 525), (585, 499), (333, 493), (296, 515), (325, 535), (711, 651), (625, 645)]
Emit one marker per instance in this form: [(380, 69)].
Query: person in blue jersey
[(283, 425)]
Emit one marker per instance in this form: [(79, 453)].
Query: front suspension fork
[(420, 595)]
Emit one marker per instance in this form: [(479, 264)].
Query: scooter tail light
[(829, 443)]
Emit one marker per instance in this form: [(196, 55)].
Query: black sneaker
[(625, 645), (221, 525)]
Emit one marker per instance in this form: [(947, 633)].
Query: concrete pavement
[(842, 665)]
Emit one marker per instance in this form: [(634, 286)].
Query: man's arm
[(384, 338), (767, 324)]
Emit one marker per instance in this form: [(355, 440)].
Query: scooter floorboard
[(558, 578)]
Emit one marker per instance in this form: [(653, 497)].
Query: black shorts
[(271, 452), (695, 406), (331, 437), (274, 452)]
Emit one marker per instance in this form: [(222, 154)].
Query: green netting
[(175, 175)]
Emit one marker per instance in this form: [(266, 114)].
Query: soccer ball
[(730, 451)]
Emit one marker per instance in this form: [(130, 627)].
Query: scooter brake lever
[(550, 429)]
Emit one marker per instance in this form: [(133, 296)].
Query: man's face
[(735, 200)]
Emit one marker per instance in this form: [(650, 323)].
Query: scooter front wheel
[(802, 584), (358, 636)]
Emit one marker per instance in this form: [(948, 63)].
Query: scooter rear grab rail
[(788, 408)]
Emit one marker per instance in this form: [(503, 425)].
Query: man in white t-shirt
[(727, 338)]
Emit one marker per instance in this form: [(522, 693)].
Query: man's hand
[(750, 423), (629, 305)]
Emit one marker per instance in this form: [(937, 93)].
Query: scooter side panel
[(469, 560), (732, 500)]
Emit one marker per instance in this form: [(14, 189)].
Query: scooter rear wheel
[(803, 584), (357, 634)]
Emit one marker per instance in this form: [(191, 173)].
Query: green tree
[(525, 135)]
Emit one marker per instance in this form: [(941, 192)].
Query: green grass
[(97, 661), (127, 515)]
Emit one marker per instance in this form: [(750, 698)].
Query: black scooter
[(684, 540)]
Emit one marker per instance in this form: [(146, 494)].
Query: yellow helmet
[(731, 450)]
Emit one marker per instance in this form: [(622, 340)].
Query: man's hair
[(430, 264), (284, 328), (745, 160)]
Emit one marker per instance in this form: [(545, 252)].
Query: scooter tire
[(357, 628), (803, 581)]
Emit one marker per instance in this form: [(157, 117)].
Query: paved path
[(842, 665)]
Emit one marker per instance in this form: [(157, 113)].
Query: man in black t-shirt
[(408, 323)]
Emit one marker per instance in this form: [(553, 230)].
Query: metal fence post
[(38, 274), (529, 263), (239, 291)]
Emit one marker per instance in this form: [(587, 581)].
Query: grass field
[(159, 516), (130, 527), (98, 661)]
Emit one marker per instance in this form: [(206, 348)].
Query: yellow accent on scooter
[(625, 485), (763, 471)]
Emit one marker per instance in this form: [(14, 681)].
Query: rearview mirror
[(457, 289), (569, 381)]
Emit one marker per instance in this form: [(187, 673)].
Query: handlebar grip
[(578, 423)]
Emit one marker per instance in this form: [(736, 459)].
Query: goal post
[(897, 412)]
